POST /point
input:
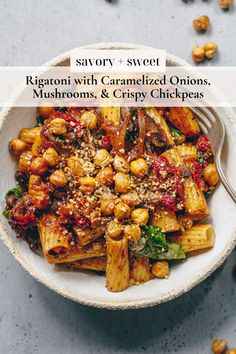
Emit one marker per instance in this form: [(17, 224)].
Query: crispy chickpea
[(198, 53), (58, 126), (210, 50), (106, 176), (89, 120), (58, 178), (231, 351), (17, 146), (25, 161), (28, 135), (132, 232), (139, 167), (108, 205), (51, 157), (131, 198), (39, 197), (38, 166), (75, 165), (201, 23), (120, 164), (122, 211), (225, 4), (219, 346), (160, 269), (33, 181), (45, 111), (114, 229), (140, 216), (102, 158), (122, 182), (87, 184), (210, 174), (185, 222)]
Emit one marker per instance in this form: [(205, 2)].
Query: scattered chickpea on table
[(225, 4), (200, 53), (220, 346), (202, 23), (210, 50)]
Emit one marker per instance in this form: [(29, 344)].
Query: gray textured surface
[(32, 318)]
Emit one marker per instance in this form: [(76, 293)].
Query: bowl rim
[(120, 305)]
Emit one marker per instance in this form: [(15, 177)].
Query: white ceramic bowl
[(89, 289)]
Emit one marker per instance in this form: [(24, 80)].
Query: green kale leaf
[(155, 245), (18, 191), (176, 134)]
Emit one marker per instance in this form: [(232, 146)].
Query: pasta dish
[(116, 190)]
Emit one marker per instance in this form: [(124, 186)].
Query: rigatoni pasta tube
[(53, 237), (86, 236), (173, 156), (117, 269), (94, 249), (139, 269), (199, 237), (187, 152), (165, 219), (182, 118), (96, 263), (195, 201)]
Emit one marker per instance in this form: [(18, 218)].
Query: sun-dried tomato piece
[(23, 213), (106, 143), (203, 144), (81, 221), (168, 201), (197, 175)]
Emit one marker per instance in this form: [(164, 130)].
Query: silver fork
[(212, 125)]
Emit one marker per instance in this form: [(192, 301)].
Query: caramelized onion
[(117, 135), (139, 148)]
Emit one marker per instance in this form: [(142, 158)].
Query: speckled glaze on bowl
[(88, 288)]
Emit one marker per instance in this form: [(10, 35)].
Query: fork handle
[(223, 178)]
